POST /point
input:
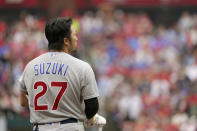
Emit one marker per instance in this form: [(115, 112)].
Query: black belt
[(69, 120)]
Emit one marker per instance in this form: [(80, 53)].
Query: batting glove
[(97, 120)]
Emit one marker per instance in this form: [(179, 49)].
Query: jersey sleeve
[(90, 89), (22, 82)]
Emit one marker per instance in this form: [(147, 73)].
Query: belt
[(69, 120)]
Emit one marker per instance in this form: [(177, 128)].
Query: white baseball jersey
[(57, 83)]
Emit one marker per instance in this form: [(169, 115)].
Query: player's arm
[(91, 107), (90, 92), (23, 91), (90, 95), (23, 99)]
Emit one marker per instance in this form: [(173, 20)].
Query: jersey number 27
[(62, 85)]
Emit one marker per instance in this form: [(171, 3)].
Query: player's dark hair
[(56, 30)]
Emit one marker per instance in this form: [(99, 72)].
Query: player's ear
[(66, 42)]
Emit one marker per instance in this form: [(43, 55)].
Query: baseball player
[(55, 84)]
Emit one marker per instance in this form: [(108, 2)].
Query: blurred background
[(143, 52)]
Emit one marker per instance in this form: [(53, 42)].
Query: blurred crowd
[(146, 73)]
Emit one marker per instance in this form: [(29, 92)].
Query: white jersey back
[(57, 83)]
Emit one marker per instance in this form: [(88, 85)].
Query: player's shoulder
[(80, 63)]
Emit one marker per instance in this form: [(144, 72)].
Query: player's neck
[(66, 50)]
